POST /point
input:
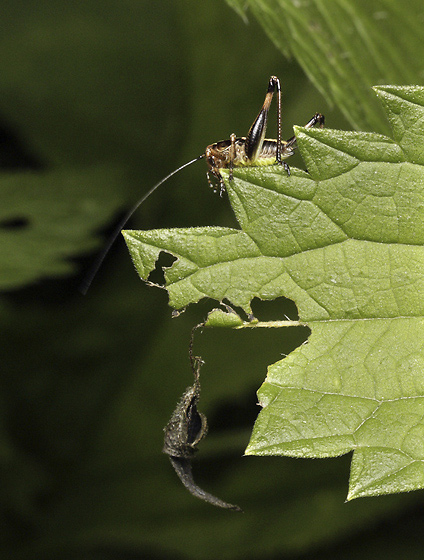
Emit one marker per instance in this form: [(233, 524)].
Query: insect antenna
[(85, 285)]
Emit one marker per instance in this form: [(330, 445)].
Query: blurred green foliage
[(346, 46), (116, 95)]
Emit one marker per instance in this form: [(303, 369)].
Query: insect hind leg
[(317, 119)]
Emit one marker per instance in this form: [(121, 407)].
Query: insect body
[(237, 151), (254, 149)]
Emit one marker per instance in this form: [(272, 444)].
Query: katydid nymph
[(237, 151)]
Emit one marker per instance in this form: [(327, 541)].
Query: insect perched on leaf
[(254, 149), (237, 151)]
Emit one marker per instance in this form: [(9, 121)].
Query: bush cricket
[(237, 151)]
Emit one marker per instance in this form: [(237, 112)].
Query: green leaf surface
[(345, 243), (346, 47)]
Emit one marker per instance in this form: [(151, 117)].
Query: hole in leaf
[(229, 307), (19, 222), (275, 310), (157, 276)]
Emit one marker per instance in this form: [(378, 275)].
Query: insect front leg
[(214, 176), (232, 156), (221, 155)]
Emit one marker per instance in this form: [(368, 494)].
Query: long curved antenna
[(85, 285)]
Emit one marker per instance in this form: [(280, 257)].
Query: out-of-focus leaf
[(47, 218), (346, 47), (72, 79)]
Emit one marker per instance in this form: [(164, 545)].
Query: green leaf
[(345, 243), (47, 218), (220, 318), (346, 47), (72, 81)]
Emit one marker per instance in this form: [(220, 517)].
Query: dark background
[(98, 101)]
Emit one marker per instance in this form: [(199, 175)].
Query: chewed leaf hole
[(18, 222), (275, 310), (164, 261)]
